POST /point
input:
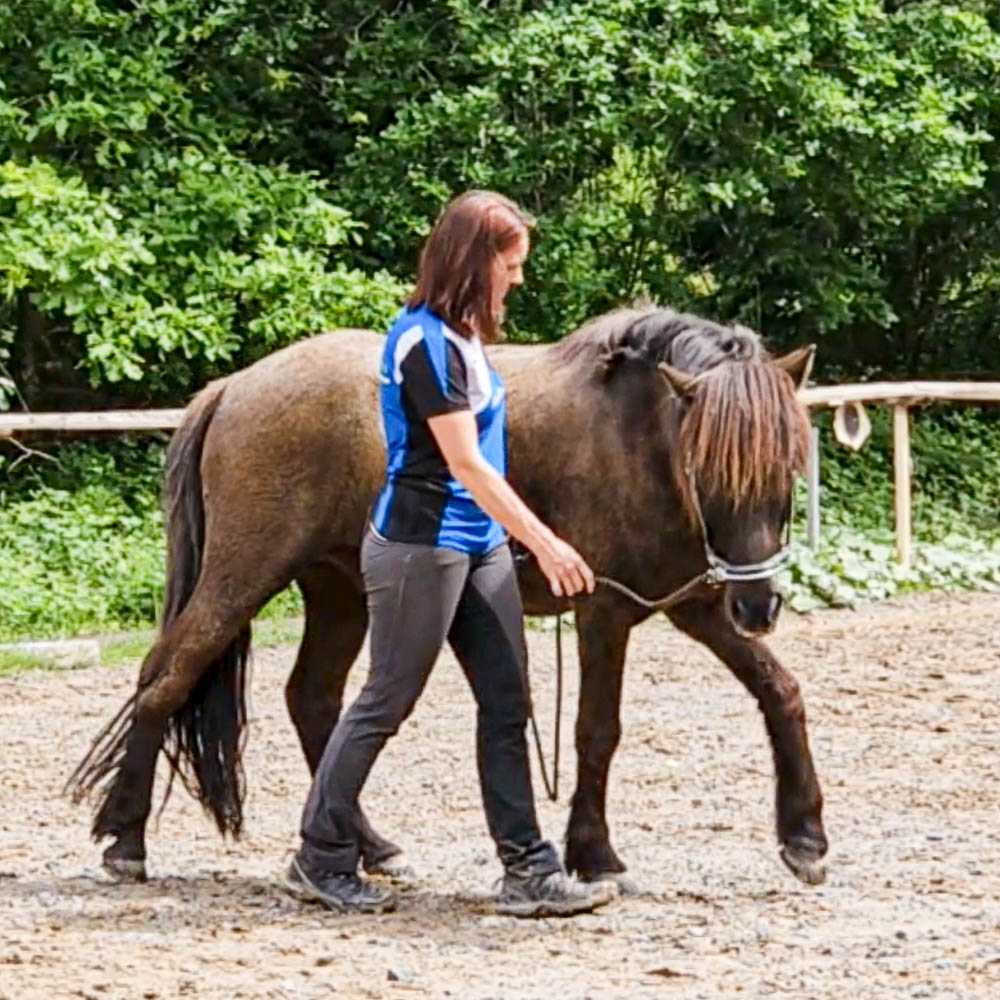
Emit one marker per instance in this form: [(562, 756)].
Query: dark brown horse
[(649, 440)]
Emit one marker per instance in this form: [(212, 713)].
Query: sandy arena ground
[(904, 727)]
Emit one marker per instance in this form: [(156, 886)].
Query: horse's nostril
[(773, 608), (741, 609)]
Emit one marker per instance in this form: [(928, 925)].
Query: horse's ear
[(798, 364), (681, 383)]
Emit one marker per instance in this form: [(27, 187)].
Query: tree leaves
[(191, 183), (133, 214)]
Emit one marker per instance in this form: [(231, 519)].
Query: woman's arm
[(457, 437)]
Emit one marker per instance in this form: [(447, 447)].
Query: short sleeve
[(434, 382)]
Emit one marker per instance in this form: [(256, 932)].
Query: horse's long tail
[(203, 741)]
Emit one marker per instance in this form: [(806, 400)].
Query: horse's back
[(295, 446), (341, 358)]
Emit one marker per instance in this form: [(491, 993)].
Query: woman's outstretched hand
[(564, 567)]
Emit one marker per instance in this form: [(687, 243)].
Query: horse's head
[(743, 438)]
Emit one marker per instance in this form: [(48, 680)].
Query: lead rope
[(551, 786)]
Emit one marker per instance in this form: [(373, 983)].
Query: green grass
[(126, 647), (13, 662), (129, 647), (277, 632)]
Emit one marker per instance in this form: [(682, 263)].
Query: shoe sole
[(305, 894), (538, 908)]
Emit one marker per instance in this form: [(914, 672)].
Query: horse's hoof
[(395, 868), (804, 863), (124, 869), (626, 886)]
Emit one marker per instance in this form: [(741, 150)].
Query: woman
[(437, 566)]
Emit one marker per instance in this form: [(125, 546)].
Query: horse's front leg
[(602, 636), (799, 800)]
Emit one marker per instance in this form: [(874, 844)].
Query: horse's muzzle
[(753, 608)]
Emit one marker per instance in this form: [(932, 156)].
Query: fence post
[(812, 482), (901, 468)]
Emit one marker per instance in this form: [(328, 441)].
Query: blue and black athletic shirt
[(427, 370)]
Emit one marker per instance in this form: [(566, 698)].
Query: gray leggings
[(419, 595)]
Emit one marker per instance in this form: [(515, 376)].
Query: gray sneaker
[(553, 895), (345, 893)]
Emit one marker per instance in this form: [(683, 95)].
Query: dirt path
[(904, 725)]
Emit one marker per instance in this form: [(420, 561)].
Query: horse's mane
[(646, 332), (744, 434)]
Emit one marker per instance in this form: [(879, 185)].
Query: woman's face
[(508, 271)]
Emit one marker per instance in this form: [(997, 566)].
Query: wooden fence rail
[(113, 421), (900, 395), (901, 392)]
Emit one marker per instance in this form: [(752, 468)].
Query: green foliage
[(956, 473), (852, 567), (956, 513), (83, 550), (81, 542), (785, 162), (133, 216), (81, 539), (186, 184)]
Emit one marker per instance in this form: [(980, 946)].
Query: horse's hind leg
[(127, 750), (336, 620), (172, 667), (602, 635), (799, 800)]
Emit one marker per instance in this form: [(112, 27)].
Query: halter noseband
[(718, 572), (725, 571)]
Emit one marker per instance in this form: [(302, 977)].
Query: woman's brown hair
[(455, 278)]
